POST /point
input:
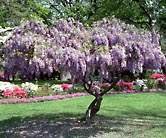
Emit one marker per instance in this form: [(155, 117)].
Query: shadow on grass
[(48, 126), (66, 126), (151, 114), (163, 93)]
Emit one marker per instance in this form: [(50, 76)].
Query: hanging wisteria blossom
[(109, 46)]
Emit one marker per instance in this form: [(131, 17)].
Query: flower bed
[(29, 92)]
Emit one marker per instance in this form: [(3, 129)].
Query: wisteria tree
[(108, 47)]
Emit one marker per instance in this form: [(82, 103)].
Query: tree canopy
[(110, 46), (141, 13)]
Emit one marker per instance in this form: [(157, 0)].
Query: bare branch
[(88, 86)]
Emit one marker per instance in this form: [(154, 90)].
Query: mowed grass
[(121, 116)]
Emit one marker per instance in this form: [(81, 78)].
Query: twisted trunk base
[(92, 110)]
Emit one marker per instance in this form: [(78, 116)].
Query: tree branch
[(55, 7), (137, 22), (88, 86), (112, 84), (146, 13)]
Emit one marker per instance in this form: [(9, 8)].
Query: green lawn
[(121, 116)]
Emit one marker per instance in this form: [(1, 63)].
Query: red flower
[(127, 85), (105, 85), (157, 76)]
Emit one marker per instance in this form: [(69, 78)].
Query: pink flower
[(152, 90), (17, 92), (66, 87), (8, 93), (1, 75), (120, 83)]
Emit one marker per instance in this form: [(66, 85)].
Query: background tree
[(138, 12), (14, 11)]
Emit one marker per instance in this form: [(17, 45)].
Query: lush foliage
[(110, 46), (87, 11), (13, 12), (139, 12)]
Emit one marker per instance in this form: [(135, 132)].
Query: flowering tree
[(109, 47)]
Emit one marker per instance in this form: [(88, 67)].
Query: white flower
[(6, 85), (141, 83), (28, 86), (57, 88)]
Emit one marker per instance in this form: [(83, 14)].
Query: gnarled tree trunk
[(92, 110), (94, 106)]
